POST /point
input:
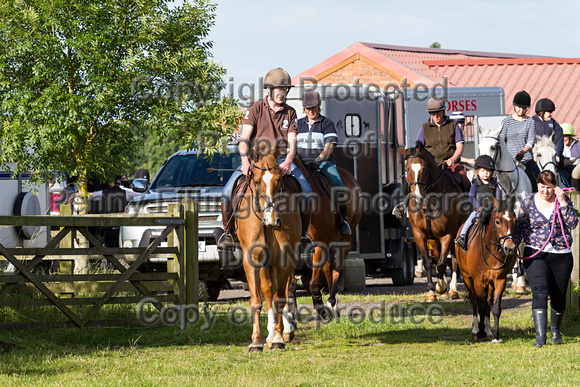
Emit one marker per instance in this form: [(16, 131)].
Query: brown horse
[(331, 248), (267, 236), (490, 256), (435, 213)]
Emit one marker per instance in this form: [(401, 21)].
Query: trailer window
[(352, 125)]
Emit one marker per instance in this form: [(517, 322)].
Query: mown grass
[(390, 352)]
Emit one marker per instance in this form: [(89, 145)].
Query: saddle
[(322, 181), (458, 180)]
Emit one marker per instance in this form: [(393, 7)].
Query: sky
[(253, 36)]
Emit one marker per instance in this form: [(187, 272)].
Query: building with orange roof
[(541, 77)]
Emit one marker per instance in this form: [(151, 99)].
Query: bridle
[(497, 156), (427, 173), (257, 195), (498, 244)]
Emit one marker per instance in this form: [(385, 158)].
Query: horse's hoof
[(278, 346), (521, 289), (430, 298), (514, 285), (288, 337), (255, 348), (478, 339), (496, 341), (419, 274), (453, 295)]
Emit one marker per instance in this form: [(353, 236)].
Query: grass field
[(394, 350)]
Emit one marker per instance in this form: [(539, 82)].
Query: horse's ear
[(419, 146), (495, 202), (403, 151), (512, 202), (276, 151), (497, 131), (479, 128), (254, 156)]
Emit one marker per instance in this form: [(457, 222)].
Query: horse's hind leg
[(453, 293), (319, 260)]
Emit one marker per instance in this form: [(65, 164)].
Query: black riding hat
[(484, 161), (545, 105), (522, 99)]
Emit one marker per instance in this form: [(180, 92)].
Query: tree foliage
[(77, 76)]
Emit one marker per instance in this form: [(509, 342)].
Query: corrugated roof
[(554, 78), (542, 77)]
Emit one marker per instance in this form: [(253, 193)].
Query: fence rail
[(121, 284)]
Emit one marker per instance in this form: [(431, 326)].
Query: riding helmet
[(310, 99), (435, 104), (567, 129), (277, 77), (545, 105), (522, 99), (484, 161), (457, 116)]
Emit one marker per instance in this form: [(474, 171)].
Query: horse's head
[(490, 143), (416, 167), (504, 224), (545, 153), (266, 182)]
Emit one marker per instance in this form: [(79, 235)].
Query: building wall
[(360, 70)]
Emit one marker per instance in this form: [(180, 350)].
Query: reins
[(497, 244), (512, 189), (556, 210)]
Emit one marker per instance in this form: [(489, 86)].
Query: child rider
[(483, 188)]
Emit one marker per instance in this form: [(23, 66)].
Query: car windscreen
[(197, 170)]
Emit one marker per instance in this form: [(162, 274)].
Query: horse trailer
[(371, 126)]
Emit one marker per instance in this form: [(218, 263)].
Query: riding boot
[(556, 321), (227, 242), (305, 240), (576, 184), (344, 227), (540, 323)]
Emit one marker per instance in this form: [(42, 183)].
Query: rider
[(483, 187), (272, 120), (546, 125), (519, 134), (571, 146), (443, 138), (316, 140)]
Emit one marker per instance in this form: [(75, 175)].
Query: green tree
[(77, 76), (435, 45)]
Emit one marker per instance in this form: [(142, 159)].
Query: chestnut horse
[(267, 235), (490, 255), (331, 248), (436, 210)]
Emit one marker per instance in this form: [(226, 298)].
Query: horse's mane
[(544, 142), (420, 151), (271, 161), (502, 205)]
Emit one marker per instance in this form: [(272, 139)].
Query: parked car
[(188, 174)]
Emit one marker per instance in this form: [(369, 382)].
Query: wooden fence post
[(191, 251), (66, 265)]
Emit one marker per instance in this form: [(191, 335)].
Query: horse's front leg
[(253, 278), (422, 244), (496, 309), (283, 328), (444, 245)]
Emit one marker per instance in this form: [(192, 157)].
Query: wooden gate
[(122, 283)]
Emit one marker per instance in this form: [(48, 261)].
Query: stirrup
[(344, 228), (460, 242), (226, 244)]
